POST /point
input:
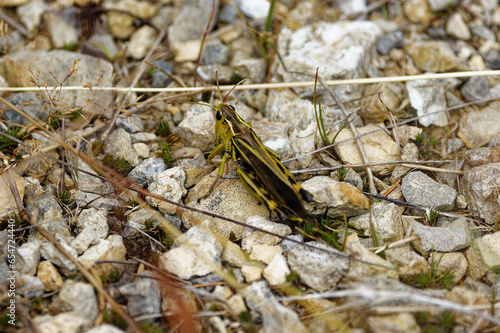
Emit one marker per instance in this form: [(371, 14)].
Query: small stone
[(277, 270), (217, 324), (30, 254), (141, 149), (131, 124), (52, 68), (68, 322), (191, 21), (389, 41), (168, 184), (477, 129), (454, 145), (186, 51), (160, 79), (287, 244), (419, 189), (363, 271), (433, 56), (381, 104), (78, 297), (234, 255), (29, 286), (469, 298), (49, 276), (140, 218), (476, 63), (121, 24), (94, 218), (190, 153), (418, 11), (143, 173), (50, 252), (31, 13), (275, 316), (408, 263), (341, 48), (397, 322), (483, 32), (428, 97), (475, 88), (237, 304), (119, 144), (273, 135), (101, 44), (222, 292), (143, 296), (197, 127), (252, 236), (87, 237), (456, 27), (265, 253), (480, 191), (379, 147), (318, 269), (191, 252), (143, 137), (111, 248), (141, 41), (385, 219), (229, 198), (227, 14), (86, 182), (215, 72), (251, 273), (461, 202), (406, 134), (334, 198), (194, 171), (255, 9), (453, 237), (454, 262), (492, 59), (87, 199), (29, 102), (480, 156), (62, 28), (350, 177), (254, 69), (215, 52), (55, 178), (483, 255)]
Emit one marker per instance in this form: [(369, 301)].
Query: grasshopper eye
[(218, 115)]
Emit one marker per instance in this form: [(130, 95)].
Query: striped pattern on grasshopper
[(259, 167)]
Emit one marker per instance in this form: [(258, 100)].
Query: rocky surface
[(222, 262)]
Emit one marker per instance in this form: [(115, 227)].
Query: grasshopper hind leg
[(259, 192)]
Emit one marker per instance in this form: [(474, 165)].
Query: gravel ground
[(116, 229)]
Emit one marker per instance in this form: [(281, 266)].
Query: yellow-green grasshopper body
[(258, 167)]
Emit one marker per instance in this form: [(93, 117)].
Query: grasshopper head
[(224, 112)]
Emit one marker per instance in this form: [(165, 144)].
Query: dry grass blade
[(299, 84)]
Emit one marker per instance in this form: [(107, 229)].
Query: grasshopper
[(259, 167)]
